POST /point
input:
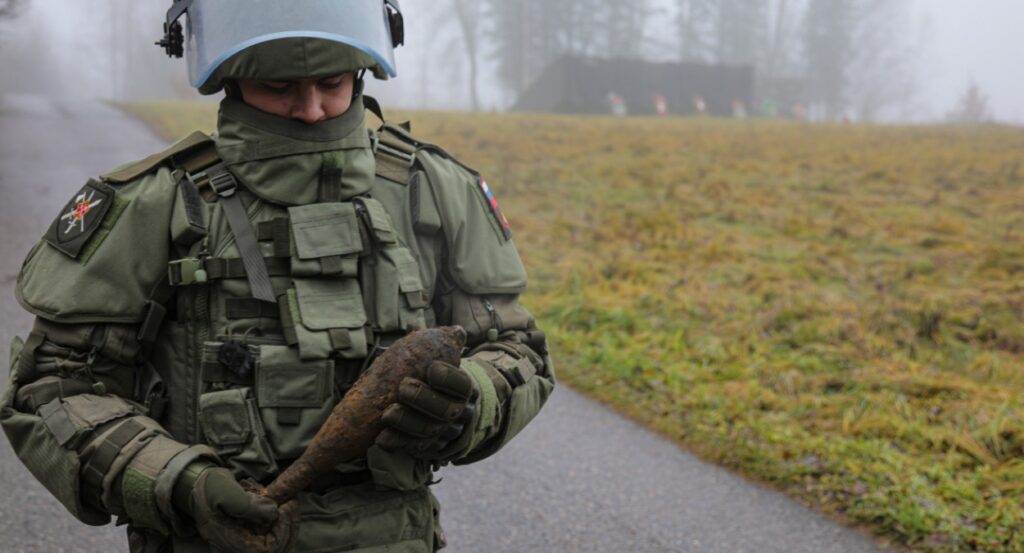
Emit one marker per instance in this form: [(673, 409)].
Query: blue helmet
[(226, 39)]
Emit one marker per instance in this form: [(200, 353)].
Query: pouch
[(232, 426), (400, 297), (294, 397), (328, 317), (326, 239), (367, 519)]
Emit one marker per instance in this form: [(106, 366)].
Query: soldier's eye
[(331, 83), (276, 86)]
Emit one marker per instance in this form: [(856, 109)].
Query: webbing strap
[(223, 183), (105, 455), (214, 371), (371, 103), (151, 322), (232, 267), (248, 308), (331, 189), (277, 231), (288, 317), (289, 416)]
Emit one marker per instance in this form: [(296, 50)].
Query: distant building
[(576, 84)]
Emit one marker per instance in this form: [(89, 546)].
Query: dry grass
[(838, 310)]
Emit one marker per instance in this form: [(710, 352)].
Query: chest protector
[(292, 274)]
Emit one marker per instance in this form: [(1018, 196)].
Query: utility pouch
[(365, 518), (325, 318), (380, 224), (400, 297), (231, 424), (326, 239), (294, 397)]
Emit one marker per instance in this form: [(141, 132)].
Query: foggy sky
[(975, 39), (960, 41)]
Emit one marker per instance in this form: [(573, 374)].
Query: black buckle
[(219, 179)]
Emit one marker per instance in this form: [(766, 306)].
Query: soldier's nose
[(309, 106)]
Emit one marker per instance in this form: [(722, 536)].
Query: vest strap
[(221, 181), (103, 458), (182, 272), (248, 308), (276, 231)]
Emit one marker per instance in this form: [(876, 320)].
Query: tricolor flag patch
[(496, 211)]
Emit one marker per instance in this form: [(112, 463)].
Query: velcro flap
[(383, 229), (225, 417), (326, 229), (89, 411), (330, 303), (283, 380), (408, 269)]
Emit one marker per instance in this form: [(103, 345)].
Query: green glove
[(234, 518), (431, 416)]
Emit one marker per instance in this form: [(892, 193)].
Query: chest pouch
[(326, 239), (294, 398), (325, 317)]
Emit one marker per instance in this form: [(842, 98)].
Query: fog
[(911, 63)]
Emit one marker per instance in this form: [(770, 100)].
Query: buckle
[(221, 181), (185, 272)]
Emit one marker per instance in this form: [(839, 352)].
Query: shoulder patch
[(506, 230), (80, 218)]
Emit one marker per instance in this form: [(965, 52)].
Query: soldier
[(199, 312)]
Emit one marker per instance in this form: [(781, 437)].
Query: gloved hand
[(234, 518), (430, 416)]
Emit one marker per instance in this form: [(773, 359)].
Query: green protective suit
[(214, 301)]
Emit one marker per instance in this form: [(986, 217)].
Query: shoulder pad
[(482, 259), (105, 253), (192, 143)]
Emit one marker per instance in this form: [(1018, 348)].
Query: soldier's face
[(308, 100)]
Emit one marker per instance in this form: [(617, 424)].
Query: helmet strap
[(359, 84), (232, 90)]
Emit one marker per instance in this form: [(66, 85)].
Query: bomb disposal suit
[(200, 312)]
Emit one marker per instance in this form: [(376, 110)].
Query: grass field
[(837, 310)]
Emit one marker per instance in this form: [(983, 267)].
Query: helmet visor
[(219, 29)]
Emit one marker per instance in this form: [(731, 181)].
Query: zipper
[(492, 333)]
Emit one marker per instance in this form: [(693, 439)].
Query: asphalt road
[(580, 478)]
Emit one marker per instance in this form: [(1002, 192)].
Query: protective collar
[(289, 162)]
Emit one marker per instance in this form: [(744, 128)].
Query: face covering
[(289, 162)]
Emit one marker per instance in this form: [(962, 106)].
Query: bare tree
[(695, 24), (972, 108), (10, 8), (468, 13), (779, 42), (881, 74), (828, 49), (741, 32)]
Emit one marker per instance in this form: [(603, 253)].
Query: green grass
[(837, 310)]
